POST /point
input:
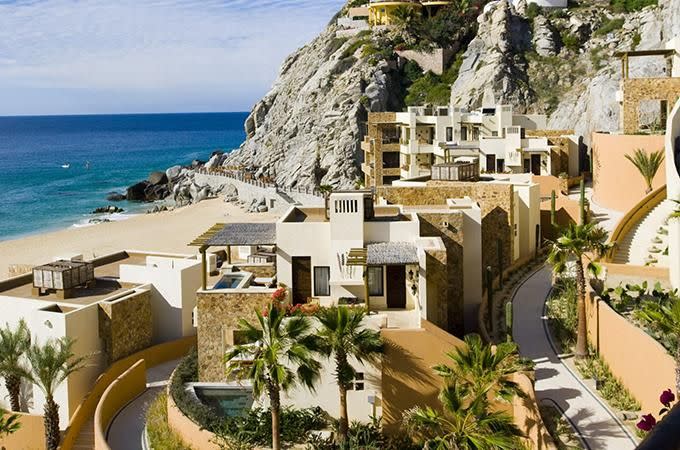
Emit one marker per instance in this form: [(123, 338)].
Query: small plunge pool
[(227, 399)]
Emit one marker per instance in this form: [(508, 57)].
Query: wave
[(96, 219)]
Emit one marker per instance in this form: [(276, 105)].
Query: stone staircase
[(85, 439), (646, 243)]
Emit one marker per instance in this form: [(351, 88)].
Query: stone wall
[(636, 90), (126, 325), (452, 285), (434, 61), (495, 200), (218, 315), (258, 270), (374, 143)]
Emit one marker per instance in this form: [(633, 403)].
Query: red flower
[(647, 422), (667, 397), (279, 295)]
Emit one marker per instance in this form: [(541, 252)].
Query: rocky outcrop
[(108, 210), (306, 131)]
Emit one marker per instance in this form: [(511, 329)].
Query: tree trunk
[(677, 370), (582, 332), (52, 436), (275, 408), (13, 385), (343, 425)]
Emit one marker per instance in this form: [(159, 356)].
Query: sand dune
[(163, 232)]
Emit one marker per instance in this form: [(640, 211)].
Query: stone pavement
[(555, 382)]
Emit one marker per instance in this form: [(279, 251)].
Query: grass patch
[(159, 433), (609, 26)]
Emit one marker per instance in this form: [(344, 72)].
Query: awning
[(386, 253), (238, 234)]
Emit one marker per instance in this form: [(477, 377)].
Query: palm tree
[(665, 318), (13, 345), (480, 370), (465, 424), (326, 191), (8, 425), (404, 17), (646, 164), (343, 336), (51, 364), (583, 244), (275, 357)]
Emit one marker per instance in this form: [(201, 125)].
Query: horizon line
[(120, 114)]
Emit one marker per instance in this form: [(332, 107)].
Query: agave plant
[(647, 164)]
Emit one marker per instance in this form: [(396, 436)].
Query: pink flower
[(647, 422), (279, 295), (667, 397)]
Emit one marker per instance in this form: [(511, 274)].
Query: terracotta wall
[(120, 392), (187, 430), (617, 184), (153, 356), (632, 354), (31, 435)]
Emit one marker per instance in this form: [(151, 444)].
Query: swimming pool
[(233, 280), (227, 400)]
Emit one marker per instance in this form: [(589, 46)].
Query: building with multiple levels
[(411, 145)]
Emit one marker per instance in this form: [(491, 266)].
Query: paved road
[(125, 432), (555, 382)]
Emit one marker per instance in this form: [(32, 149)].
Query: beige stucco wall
[(31, 435), (631, 354), (218, 314), (617, 184)]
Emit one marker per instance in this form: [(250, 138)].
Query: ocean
[(101, 154)]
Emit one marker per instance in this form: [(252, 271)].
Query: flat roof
[(107, 284), (389, 213)]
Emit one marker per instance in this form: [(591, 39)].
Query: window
[(449, 134), (322, 277), (375, 281), (358, 384)]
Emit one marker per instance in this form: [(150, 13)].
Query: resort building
[(112, 307), (421, 142), (382, 12)]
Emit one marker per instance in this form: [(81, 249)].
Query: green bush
[(630, 5), (570, 41), (533, 11), (611, 389), (609, 25), (365, 436), (159, 433), (562, 313)]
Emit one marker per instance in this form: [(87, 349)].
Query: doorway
[(396, 287), (536, 164), (302, 279), (491, 163)]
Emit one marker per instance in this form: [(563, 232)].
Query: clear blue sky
[(115, 56)]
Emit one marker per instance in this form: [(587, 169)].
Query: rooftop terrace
[(317, 214)]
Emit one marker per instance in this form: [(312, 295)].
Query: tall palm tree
[(647, 164), (665, 318), (583, 245), (13, 345), (51, 364), (465, 424), (480, 370), (342, 336), (275, 357), (9, 424)]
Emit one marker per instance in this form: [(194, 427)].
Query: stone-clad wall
[(376, 122), (636, 90), (495, 200), (258, 270), (218, 315), (126, 325), (452, 236)]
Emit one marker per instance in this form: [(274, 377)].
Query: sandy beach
[(163, 232)]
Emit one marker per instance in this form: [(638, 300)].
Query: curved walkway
[(555, 382), (127, 428)]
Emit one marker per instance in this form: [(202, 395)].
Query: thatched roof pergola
[(391, 253)]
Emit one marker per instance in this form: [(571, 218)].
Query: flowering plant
[(280, 295), (647, 421)]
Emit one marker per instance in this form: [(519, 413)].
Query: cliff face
[(306, 130)]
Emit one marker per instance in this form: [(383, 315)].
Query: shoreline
[(167, 231)]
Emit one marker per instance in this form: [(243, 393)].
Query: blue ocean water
[(37, 194)]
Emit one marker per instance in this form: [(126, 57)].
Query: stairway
[(646, 243), (85, 439)]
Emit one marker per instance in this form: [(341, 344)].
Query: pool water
[(228, 282), (228, 402)]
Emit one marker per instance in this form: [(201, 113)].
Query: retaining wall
[(31, 435)]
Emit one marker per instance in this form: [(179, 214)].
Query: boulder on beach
[(173, 172), (157, 178), (115, 197), (110, 209), (136, 192)]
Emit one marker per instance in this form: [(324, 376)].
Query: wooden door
[(396, 287), (536, 164), (302, 279), (490, 163)]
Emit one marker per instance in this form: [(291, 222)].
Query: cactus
[(508, 321), (582, 202), (553, 201)]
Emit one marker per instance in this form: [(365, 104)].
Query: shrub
[(562, 313), (159, 433), (533, 10), (609, 25), (630, 5), (611, 389), (364, 436), (570, 41)]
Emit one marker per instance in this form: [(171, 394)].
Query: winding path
[(596, 424)]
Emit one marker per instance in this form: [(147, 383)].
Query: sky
[(119, 56)]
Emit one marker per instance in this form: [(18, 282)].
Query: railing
[(632, 217), (246, 177)]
